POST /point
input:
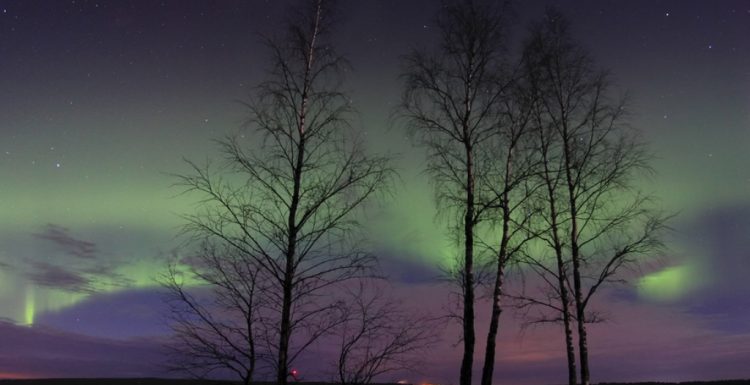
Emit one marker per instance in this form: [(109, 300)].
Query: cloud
[(49, 275), (721, 240), (708, 275), (724, 235), (61, 237), (407, 270), (121, 315), (47, 352), (641, 342), (648, 342), (79, 270)]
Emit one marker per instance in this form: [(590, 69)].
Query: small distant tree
[(216, 322), (286, 199), (593, 216), (378, 336)]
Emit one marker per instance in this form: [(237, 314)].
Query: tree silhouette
[(378, 336), (593, 216), (286, 198), (451, 101), (511, 185), (219, 330)]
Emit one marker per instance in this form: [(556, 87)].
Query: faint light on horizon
[(15, 376)]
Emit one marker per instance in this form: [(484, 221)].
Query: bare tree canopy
[(216, 330), (452, 100), (532, 161), (286, 196), (591, 213), (379, 336)]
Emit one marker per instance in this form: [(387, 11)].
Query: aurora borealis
[(101, 100)]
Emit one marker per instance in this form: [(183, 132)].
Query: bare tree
[(287, 197), (511, 184), (215, 329), (379, 336), (595, 219), (450, 101)]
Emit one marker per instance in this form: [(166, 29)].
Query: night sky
[(100, 101)]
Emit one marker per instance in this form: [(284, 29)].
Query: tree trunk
[(561, 274), (565, 304), (467, 362), (489, 354), (580, 314), (580, 311), (576, 258), (468, 313), (583, 351), (570, 350), (251, 344), (285, 333), (285, 326)]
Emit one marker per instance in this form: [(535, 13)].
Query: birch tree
[(450, 101), (595, 218), (287, 194)]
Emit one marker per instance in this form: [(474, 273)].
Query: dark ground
[(113, 381), (719, 382), (140, 381), (156, 381)]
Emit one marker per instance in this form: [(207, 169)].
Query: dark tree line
[(530, 153)]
